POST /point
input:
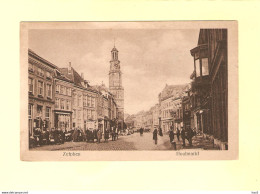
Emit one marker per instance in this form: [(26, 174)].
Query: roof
[(114, 49), (173, 91), (36, 56), (73, 76)]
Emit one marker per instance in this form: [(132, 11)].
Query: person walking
[(94, 135), (99, 135), (171, 135), (189, 135), (141, 131), (178, 134), (172, 128), (160, 131), (183, 136), (155, 135), (113, 134), (116, 133), (106, 135)]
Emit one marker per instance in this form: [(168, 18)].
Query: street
[(132, 142)]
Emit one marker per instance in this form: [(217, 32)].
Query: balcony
[(200, 82)]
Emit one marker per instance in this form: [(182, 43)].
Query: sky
[(150, 58)]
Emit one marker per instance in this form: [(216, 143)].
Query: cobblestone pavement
[(131, 142)]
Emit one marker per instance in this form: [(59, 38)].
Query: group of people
[(45, 137), (58, 136), (187, 133)]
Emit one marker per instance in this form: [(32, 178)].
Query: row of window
[(164, 105), (62, 104), (63, 90), (87, 114), (39, 71), (39, 111), (40, 88), (166, 114), (88, 101)]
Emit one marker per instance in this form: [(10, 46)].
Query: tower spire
[(114, 42)]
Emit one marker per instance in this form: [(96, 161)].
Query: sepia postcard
[(129, 91)]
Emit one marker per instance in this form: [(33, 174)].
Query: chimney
[(82, 75), (69, 69)]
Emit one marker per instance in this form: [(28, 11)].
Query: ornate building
[(41, 75), (115, 86)]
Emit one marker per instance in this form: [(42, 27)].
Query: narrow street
[(131, 142)]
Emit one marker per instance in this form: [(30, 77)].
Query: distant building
[(169, 102), (107, 108), (155, 116)]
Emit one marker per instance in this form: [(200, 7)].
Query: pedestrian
[(106, 135), (47, 135), (84, 136), (112, 134), (171, 135), (62, 133), (91, 136), (190, 135), (183, 136), (99, 135), (155, 135), (116, 133), (56, 136), (75, 135), (87, 135), (178, 134), (94, 135), (160, 131), (141, 131), (172, 128)]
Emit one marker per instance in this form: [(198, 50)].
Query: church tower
[(115, 85)]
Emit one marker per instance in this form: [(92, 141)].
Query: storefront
[(90, 125), (166, 125), (63, 120)]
